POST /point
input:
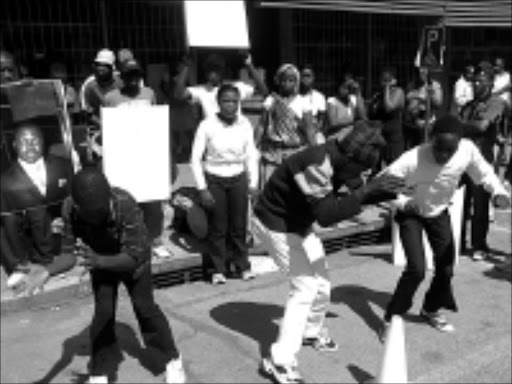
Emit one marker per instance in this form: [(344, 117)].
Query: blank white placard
[(221, 24), (456, 210), (136, 155)]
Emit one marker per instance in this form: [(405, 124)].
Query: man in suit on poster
[(32, 190)]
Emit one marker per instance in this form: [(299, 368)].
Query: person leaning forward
[(301, 191)]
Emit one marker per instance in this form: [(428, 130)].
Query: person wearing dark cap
[(133, 94), (306, 188), (103, 225), (432, 172), (482, 116)]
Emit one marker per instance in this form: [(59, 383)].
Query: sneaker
[(97, 380), (15, 278), (437, 320), (218, 279), (174, 372), (248, 275), (479, 255), (282, 374), (321, 343)]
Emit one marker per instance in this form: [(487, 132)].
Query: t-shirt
[(92, 95), (341, 113), (501, 80), (207, 97), (316, 101), (116, 98)]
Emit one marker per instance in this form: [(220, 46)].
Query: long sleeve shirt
[(224, 150), (432, 185)]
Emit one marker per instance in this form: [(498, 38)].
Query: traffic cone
[(394, 362)]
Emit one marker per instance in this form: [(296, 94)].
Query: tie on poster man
[(216, 24)]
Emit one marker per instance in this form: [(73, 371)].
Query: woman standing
[(225, 168), (314, 98), (387, 107), (344, 109), (286, 123)]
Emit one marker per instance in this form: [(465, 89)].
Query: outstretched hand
[(386, 183)]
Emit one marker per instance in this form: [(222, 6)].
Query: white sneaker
[(479, 255), (15, 278), (97, 380), (282, 374), (174, 372)]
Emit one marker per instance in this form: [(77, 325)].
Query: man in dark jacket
[(305, 189), (106, 226)]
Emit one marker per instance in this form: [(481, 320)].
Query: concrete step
[(187, 262)]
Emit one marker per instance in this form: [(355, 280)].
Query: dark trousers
[(154, 326), (476, 208), (153, 218), (439, 234), (227, 222)]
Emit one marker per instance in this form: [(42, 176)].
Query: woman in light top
[(344, 109), (314, 98), (433, 171), (225, 168)]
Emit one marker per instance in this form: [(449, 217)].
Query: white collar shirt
[(37, 173)]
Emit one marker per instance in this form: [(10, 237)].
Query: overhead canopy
[(490, 13)]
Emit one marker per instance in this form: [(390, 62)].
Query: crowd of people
[(310, 159)]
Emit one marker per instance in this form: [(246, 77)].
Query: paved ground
[(223, 331)]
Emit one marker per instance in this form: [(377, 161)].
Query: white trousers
[(303, 260)]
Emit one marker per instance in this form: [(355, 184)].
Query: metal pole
[(104, 24)]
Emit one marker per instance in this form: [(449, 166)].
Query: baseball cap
[(105, 56), (130, 66)]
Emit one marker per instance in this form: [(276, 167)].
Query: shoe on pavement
[(174, 372), (282, 374), (97, 380), (218, 279), (437, 320), (479, 255), (248, 275), (321, 343)]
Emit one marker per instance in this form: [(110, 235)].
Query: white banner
[(221, 24), (456, 211), (136, 150)]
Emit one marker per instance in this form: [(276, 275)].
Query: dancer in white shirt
[(433, 171), (225, 167)]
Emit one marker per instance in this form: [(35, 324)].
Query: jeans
[(153, 324), (227, 222), (439, 234), (303, 260)]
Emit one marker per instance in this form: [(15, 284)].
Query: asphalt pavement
[(223, 331)]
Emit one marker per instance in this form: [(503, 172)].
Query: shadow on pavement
[(255, 320), (79, 345), (358, 298), (359, 375)]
